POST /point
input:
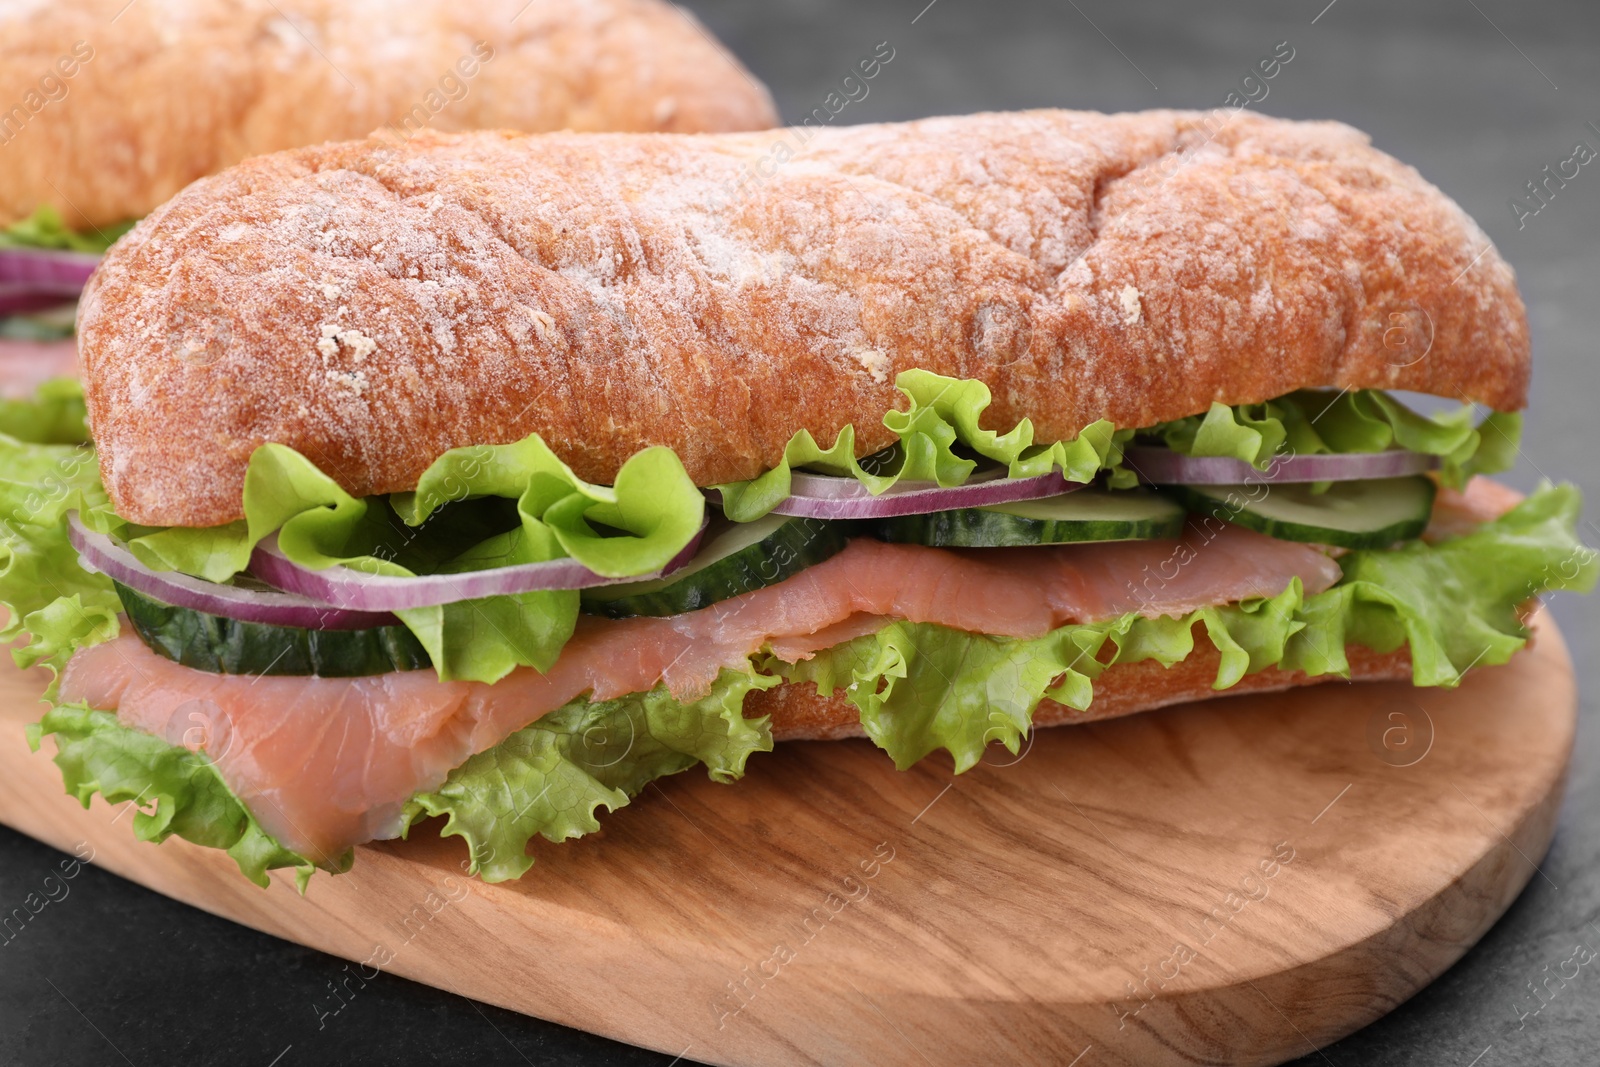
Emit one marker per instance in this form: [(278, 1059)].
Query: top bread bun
[(373, 307), (108, 108)]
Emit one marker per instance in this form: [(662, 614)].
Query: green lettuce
[(44, 592), (549, 778), (177, 791), (943, 421), (54, 415), (51, 324), (921, 687), (45, 229), (1313, 422), (475, 508)]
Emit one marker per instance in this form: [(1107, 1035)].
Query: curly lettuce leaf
[(44, 591), (1313, 422), (474, 508), (54, 415), (549, 778), (943, 419), (97, 754), (45, 229), (1456, 603), (921, 687)]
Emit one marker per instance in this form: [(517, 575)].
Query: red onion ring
[(34, 279), (104, 554), (1163, 466), (346, 587), (27, 299), (47, 266), (826, 496)]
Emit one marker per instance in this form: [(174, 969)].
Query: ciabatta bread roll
[(111, 107), (373, 308)]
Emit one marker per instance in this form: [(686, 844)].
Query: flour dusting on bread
[(607, 292), (184, 89)]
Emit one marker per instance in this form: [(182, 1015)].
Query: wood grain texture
[(999, 918)]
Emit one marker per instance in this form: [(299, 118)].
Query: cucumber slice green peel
[(1073, 518), (1363, 514), (222, 645), (735, 559), (742, 557)]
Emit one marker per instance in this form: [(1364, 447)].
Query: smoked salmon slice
[(325, 763), (26, 365)]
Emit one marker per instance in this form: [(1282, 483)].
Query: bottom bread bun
[(799, 713)]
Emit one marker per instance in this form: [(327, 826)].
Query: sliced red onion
[(111, 558), (35, 279), (825, 496), (346, 587), (27, 300), (1163, 466), (46, 268)]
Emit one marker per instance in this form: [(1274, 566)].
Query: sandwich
[(109, 108), (491, 478)]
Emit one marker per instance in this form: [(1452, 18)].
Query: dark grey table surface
[(1479, 94)]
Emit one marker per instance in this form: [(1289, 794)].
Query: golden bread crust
[(373, 308), (800, 714), (172, 92)]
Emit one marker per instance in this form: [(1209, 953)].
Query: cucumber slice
[(1082, 515), (1363, 514), (228, 646), (739, 558)]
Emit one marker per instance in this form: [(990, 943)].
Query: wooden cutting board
[(1233, 881)]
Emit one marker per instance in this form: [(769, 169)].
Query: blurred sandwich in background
[(108, 108)]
